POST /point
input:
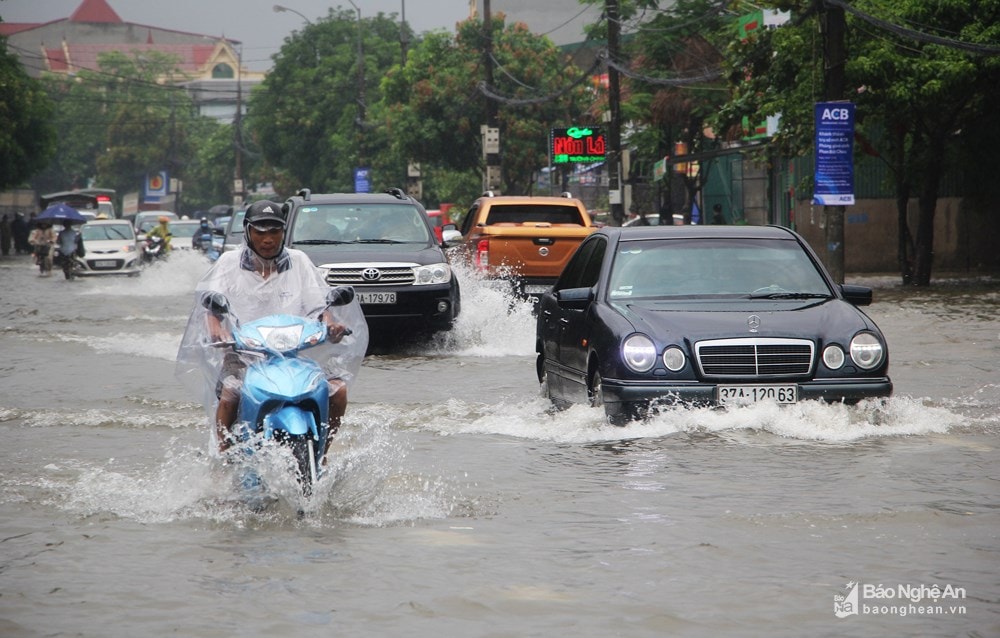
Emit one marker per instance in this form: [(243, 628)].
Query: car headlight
[(130, 248), (866, 351), (639, 353), (833, 357), (673, 358), (433, 274)]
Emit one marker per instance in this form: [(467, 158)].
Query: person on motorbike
[(202, 238), (265, 278), (43, 238), (162, 230), (69, 243)]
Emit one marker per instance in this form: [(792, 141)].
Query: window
[(222, 71)]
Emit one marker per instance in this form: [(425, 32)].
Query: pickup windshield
[(521, 213)]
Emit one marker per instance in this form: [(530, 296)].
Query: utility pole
[(361, 91), (404, 38), (833, 25), (491, 130), (239, 189), (615, 190)]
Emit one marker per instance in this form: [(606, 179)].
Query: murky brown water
[(463, 506)]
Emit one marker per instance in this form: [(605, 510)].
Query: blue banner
[(362, 180), (834, 154)]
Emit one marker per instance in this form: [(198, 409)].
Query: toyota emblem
[(543, 251), (371, 274), (753, 323)]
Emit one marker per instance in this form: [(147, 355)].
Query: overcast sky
[(253, 22)]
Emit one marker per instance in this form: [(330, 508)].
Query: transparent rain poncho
[(296, 288)]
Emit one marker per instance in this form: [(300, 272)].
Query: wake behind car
[(111, 248), (716, 315), (382, 244)]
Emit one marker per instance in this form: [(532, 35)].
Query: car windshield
[(183, 230), (749, 268), (359, 223), (99, 232)]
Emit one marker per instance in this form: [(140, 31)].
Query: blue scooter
[(284, 397)]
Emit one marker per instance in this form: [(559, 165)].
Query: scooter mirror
[(340, 296), (216, 302)]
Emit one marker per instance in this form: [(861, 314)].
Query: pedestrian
[(717, 218), (6, 236), (20, 229)]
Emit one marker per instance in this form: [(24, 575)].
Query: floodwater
[(461, 505)]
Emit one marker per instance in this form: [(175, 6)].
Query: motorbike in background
[(68, 263), (153, 248), (203, 241)]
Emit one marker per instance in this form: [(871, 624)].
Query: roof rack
[(396, 192), (488, 194), (304, 193)]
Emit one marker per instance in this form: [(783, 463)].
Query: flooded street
[(461, 505)]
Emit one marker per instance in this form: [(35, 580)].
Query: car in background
[(233, 234), (705, 315), (182, 233), (382, 245), (147, 219), (111, 248), (439, 219)]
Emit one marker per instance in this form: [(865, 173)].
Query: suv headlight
[(433, 274)]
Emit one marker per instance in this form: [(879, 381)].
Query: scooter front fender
[(291, 419)]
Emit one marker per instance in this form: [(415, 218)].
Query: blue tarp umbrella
[(61, 214)]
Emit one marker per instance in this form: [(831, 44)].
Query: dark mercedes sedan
[(705, 315)]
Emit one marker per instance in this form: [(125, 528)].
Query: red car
[(438, 219)]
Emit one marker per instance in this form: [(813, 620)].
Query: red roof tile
[(95, 11)]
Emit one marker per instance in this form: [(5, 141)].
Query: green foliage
[(433, 107), (305, 115), (27, 136)]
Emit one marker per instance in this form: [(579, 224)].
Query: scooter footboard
[(291, 419)]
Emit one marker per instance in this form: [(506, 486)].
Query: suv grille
[(366, 276), (755, 357)]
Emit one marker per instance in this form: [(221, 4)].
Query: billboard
[(577, 145)]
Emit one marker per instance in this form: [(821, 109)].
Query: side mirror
[(857, 295), (450, 236), (574, 298), (216, 302), (340, 296)]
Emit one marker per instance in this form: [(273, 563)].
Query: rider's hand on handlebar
[(336, 331)]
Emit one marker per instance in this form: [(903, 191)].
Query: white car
[(112, 248)]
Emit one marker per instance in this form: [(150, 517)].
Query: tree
[(27, 137), (918, 95), (435, 105), (674, 85), (305, 116)]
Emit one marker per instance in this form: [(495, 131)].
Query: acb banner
[(834, 176)]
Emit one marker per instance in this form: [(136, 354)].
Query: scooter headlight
[(281, 338)]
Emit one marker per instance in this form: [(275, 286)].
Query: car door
[(560, 325), (574, 340)]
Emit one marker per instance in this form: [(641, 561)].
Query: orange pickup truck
[(526, 240)]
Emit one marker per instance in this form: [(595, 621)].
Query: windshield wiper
[(319, 241), (379, 241), (790, 295)]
